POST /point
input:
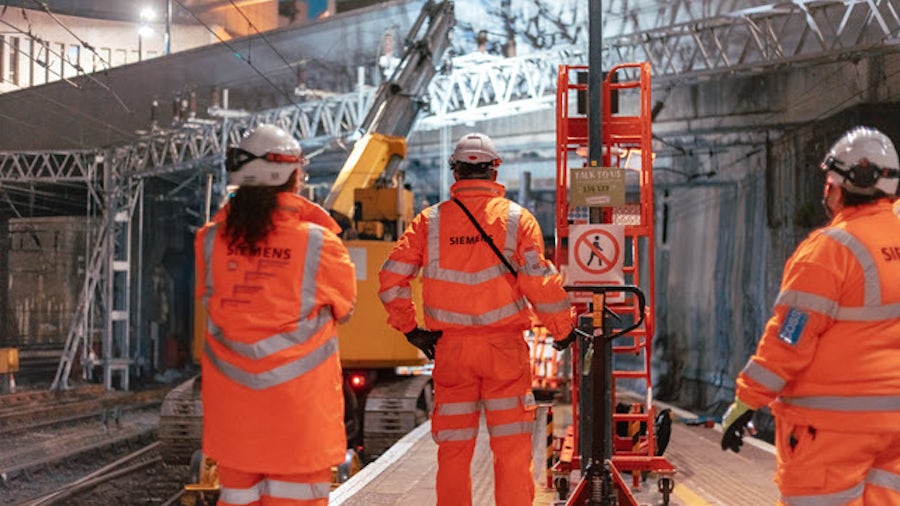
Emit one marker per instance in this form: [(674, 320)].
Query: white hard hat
[(266, 156), (863, 161), (475, 148)]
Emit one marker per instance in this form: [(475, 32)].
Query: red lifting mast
[(617, 318)]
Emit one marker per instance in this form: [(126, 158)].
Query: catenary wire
[(239, 55), (90, 47), (263, 37)]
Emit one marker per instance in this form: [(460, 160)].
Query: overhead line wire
[(808, 95), (81, 41), (33, 127), (263, 37), (45, 65), (239, 55), (74, 112), (86, 45)]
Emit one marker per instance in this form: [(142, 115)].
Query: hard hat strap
[(861, 175), (235, 158)]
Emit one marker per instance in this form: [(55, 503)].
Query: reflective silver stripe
[(401, 268), (552, 307), (397, 292), (842, 403), (457, 408), (501, 404), (241, 495), (310, 267), (833, 499), (276, 489), (464, 278), (512, 229), (455, 435), (511, 429), (310, 270), (486, 318), (275, 343), (763, 376), (208, 241), (884, 478), (819, 304), (305, 328), (302, 491), (872, 309), (534, 267), (872, 295), (277, 375), (869, 314), (433, 269), (807, 301), (432, 245)]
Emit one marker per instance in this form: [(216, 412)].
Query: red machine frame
[(623, 136)]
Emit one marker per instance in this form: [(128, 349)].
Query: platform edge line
[(373, 470)]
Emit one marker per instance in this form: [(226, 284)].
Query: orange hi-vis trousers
[(239, 488), (818, 467), (492, 372)]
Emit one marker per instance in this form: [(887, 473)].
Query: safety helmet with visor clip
[(475, 149), (265, 156), (863, 161)]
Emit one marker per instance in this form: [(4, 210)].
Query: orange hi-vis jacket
[(272, 397), (453, 258), (830, 355)]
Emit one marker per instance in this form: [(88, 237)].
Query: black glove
[(424, 340), (734, 423), (566, 341)]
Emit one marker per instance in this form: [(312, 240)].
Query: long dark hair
[(249, 218)]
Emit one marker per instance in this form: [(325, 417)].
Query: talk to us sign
[(603, 187)]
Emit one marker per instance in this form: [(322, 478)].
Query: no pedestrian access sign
[(596, 257)]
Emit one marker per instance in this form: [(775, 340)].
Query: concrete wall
[(46, 275), (729, 234)]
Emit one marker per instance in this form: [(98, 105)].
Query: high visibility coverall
[(828, 364), (481, 359), (272, 400)]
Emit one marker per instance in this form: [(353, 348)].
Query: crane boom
[(397, 103)]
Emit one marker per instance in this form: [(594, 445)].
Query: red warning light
[(357, 381)]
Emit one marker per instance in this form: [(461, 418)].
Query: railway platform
[(705, 475)]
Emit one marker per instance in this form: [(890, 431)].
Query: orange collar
[(856, 212), (477, 188)]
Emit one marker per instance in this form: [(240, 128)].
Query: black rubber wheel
[(425, 403), (352, 416), (195, 466)]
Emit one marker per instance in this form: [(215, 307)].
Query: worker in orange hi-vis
[(275, 278), (484, 275), (828, 362)]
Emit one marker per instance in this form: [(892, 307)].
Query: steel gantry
[(681, 40)]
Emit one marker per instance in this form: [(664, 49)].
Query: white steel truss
[(741, 41), (761, 37), (55, 167), (682, 40)]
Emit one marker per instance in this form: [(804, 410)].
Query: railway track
[(67, 448), (118, 483)]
